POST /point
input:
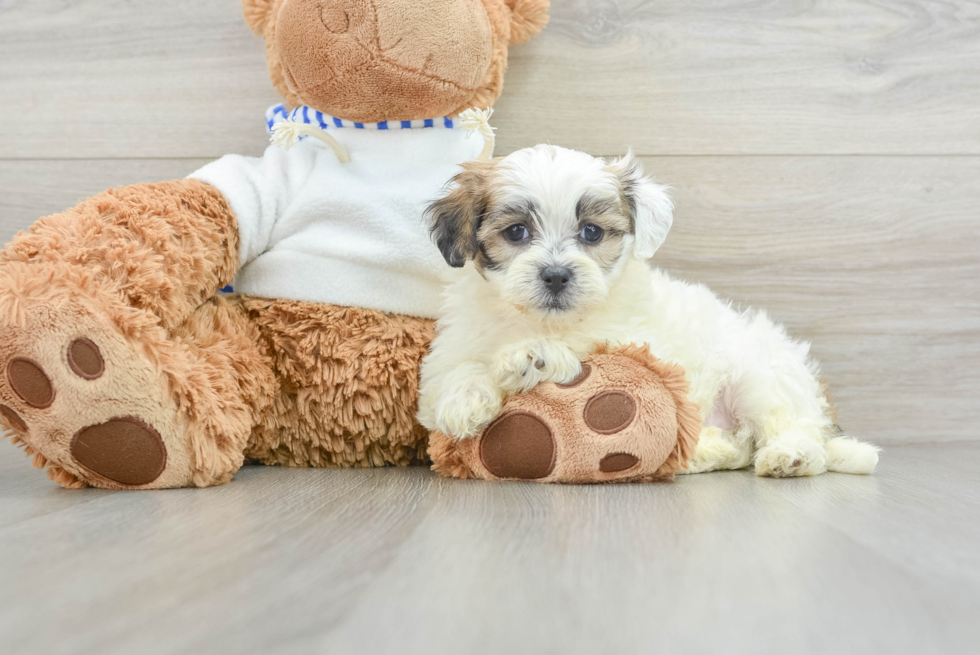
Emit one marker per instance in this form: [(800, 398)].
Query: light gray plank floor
[(398, 560)]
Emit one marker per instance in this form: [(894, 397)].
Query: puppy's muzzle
[(556, 278)]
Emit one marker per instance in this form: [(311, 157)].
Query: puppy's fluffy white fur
[(504, 329)]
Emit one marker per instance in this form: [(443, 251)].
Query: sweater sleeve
[(259, 190)]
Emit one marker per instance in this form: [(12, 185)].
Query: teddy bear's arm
[(165, 247), (261, 189)]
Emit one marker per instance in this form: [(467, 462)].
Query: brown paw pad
[(125, 450), (85, 359), (616, 462), (518, 445), (579, 379), (610, 412), (13, 418), (30, 382)]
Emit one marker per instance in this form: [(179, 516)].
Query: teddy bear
[(127, 368)]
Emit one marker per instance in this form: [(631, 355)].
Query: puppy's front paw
[(464, 412), (521, 366)]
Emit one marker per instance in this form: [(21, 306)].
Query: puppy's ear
[(649, 205), (528, 17), (455, 218)]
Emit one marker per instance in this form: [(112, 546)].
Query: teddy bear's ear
[(257, 13), (528, 17)]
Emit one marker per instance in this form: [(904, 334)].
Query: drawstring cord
[(478, 120), (286, 133)]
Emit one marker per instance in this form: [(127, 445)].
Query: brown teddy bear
[(125, 367)]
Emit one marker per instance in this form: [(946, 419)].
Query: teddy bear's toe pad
[(610, 412), (29, 381), (616, 462), (85, 359), (518, 445), (125, 450), (13, 418)]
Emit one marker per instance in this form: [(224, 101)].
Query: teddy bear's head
[(388, 60)]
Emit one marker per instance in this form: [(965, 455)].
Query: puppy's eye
[(591, 233), (517, 233)]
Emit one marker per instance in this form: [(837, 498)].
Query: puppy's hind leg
[(784, 403), (848, 455), (720, 450), (794, 451)]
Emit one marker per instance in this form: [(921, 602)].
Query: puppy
[(555, 248)]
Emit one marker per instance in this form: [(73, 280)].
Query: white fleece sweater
[(353, 234)]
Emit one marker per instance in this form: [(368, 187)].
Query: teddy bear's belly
[(314, 229), (399, 282)]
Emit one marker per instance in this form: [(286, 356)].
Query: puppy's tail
[(848, 455)]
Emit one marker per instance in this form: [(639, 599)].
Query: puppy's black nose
[(556, 278)]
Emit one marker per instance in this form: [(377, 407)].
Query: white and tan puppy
[(555, 248)]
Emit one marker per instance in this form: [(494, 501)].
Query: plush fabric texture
[(627, 418), (314, 229), (347, 385), (166, 246), (387, 60), (364, 66)]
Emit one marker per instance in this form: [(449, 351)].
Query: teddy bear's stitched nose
[(335, 15)]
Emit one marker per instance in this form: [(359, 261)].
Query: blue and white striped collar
[(311, 116)]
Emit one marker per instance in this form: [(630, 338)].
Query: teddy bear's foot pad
[(79, 390), (125, 450), (625, 418), (58, 400), (518, 445)]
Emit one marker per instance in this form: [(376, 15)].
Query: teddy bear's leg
[(162, 248), (121, 369), (115, 404), (349, 385)]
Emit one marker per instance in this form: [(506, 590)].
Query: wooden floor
[(400, 561)]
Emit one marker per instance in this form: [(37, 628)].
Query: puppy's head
[(551, 229)]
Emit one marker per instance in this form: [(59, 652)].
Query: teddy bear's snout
[(336, 54)]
